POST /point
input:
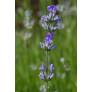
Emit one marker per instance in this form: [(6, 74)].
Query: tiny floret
[(42, 76), (50, 76), (51, 68), (42, 68), (52, 8)]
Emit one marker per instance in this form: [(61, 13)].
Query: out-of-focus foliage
[(29, 56)]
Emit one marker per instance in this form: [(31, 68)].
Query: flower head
[(51, 22), (44, 75), (48, 42), (48, 38)]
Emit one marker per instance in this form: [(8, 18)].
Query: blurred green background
[(29, 56)]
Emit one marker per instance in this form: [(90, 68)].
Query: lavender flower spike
[(52, 8), (51, 68)]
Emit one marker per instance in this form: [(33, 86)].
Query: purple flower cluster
[(48, 38), (51, 21), (48, 41), (43, 75)]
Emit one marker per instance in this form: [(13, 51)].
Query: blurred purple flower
[(48, 38), (51, 68), (57, 19), (52, 8), (42, 68), (51, 21), (43, 18), (42, 76)]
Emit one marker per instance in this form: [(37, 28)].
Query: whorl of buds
[(51, 21), (46, 76)]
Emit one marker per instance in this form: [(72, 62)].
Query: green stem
[(46, 6), (47, 60)]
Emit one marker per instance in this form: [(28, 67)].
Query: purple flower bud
[(42, 76), (57, 19), (51, 68), (52, 8), (48, 38), (44, 18), (42, 68)]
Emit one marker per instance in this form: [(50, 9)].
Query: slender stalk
[(46, 57), (46, 6), (47, 60)]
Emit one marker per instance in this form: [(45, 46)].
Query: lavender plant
[(51, 23)]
